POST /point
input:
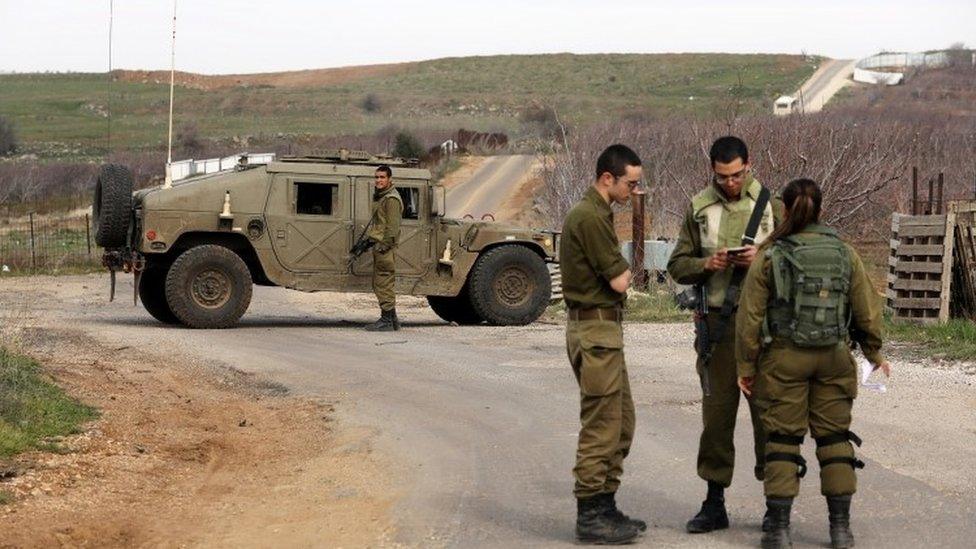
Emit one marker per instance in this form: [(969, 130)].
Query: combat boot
[(595, 525), (712, 515), (618, 515), (387, 322), (839, 513), (778, 536)]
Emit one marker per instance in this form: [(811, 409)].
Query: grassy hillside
[(65, 114)]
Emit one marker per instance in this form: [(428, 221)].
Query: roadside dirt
[(186, 454)]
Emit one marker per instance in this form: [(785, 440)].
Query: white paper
[(866, 368)]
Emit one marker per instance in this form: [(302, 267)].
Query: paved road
[(489, 187), (482, 422), (825, 82)]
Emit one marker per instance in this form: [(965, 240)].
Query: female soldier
[(802, 304)]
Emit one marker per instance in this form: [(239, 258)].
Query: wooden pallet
[(964, 265), (920, 267)]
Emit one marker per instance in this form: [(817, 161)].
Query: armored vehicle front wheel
[(456, 308), (152, 293), (112, 206), (510, 285), (208, 287)]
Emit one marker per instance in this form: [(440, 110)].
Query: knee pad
[(844, 437), (788, 440)]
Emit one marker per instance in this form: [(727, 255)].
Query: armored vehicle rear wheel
[(112, 207), (510, 285), (152, 293), (208, 287), (455, 308)]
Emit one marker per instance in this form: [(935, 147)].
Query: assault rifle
[(362, 245), (695, 299)]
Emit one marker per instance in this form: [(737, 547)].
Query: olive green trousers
[(805, 387), (596, 353), (716, 447), (384, 277)]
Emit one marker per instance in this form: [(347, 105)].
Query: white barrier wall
[(876, 77), (895, 60)]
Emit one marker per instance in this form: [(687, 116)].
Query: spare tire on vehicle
[(112, 207)]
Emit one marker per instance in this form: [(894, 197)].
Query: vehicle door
[(310, 221), (414, 246)]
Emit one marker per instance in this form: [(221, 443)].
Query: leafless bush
[(188, 139), (863, 164), (8, 138), (541, 120), (371, 103)]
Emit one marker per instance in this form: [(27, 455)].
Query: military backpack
[(811, 275)]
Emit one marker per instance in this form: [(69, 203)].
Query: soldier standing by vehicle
[(715, 247), (384, 230), (595, 281), (800, 300)]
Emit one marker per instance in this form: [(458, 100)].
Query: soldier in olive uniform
[(715, 222), (802, 296), (383, 233), (595, 281)]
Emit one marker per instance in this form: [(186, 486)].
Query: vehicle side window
[(316, 198), (411, 202)]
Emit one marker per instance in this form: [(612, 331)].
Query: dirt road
[(477, 425), (829, 79), (488, 188)]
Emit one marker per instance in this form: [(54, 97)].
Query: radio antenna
[(172, 79), (108, 84)]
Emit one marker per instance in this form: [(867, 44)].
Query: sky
[(242, 36)]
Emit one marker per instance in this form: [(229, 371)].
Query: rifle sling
[(738, 275)]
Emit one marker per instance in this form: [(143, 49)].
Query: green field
[(64, 115), (34, 411)]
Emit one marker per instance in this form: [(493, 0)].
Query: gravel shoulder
[(187, 452)]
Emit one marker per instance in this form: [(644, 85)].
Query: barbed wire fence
[(47, 244)]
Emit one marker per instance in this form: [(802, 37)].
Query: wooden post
[(88, 233), (637, 240), (33, 253), (930, 209), (940, 204), (914, 190)]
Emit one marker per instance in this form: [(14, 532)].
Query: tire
[(510, 286), (456, 308), (208, 286), (112, 206), (152, 293)]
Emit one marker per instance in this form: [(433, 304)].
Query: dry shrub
[(862, 163)]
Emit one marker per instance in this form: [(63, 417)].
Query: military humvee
[(197, 246)]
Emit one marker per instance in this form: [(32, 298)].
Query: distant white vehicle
[(786, 104)]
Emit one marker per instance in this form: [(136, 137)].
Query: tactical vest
[(721, 224), (811, 279)]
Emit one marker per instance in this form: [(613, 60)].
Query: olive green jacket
[(387, 213), (697, 239), (589, 254), (864, 303)]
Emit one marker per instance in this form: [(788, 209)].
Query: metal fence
[(46, 244)]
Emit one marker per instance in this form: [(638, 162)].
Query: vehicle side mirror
[(438, 201)]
